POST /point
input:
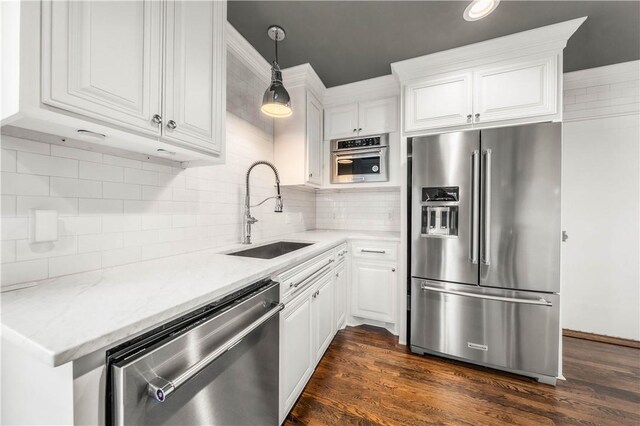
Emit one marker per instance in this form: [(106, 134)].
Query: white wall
[(116, 210), (601, 201)]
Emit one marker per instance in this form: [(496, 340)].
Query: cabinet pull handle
[(373, 251), (157, 119), (171, 124)]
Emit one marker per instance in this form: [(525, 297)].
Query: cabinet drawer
[(341, 252), (298, 278), (374, 250)]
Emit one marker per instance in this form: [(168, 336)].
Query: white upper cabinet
[(515, 89), (515, 79), (439, 101), (378, 116), (341, 121), (194, 73), (148, 75), (103, 60), (314, 140), (298, 138), (361, 118)]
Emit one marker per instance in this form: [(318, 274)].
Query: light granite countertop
[(62, 319)]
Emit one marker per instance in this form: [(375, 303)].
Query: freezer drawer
[(500, 328)]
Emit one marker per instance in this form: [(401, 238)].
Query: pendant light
[(276, 101)]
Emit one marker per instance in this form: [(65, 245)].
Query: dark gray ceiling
[(347, 41)]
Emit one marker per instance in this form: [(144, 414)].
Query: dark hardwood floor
[(366, 378)]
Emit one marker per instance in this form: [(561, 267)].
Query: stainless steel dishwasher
[(215, 366)]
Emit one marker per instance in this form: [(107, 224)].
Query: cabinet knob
[(310, 175), (393, 269), (469, 116), (157, 119), (477, 115), (355, 130), (171, 124), (360, 129)]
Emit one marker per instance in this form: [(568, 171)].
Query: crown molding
[(378, 87), (544, 39), (304, 75), (616, 73), (244, 51)]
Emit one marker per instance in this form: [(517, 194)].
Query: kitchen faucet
[(248, 219)]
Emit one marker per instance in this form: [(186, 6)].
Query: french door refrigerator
[(485, 247)]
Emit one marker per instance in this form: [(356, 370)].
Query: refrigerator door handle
[(486, 234), (540, 301), (475, 206)]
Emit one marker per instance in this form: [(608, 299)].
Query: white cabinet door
[(341, 121), (102, 59), (378, 116), (314, 140), (515, 90), (297, 359), (194, 103), (322, 316), (374, 290), (438, 101), (340, 290)]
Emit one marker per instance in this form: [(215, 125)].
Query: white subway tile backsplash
[(156, 221), (99, 242), (156, 193), (15, 228), (78, 154), (140, 207), (121, 223), (8, 160), (124, 162), (28, 251), (100, 207), (8, 204), (120, 256), (368, 210), (121, 191), (8, 253), (101, 172), (64, 265), (80, 225), (144, 177), (25, 145), (38, 164), (65, 206), (66, 187), (19, 272), (22, 184)]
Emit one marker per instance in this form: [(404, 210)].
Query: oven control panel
[(359, 143)]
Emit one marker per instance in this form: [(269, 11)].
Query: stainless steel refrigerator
[(485, 247)]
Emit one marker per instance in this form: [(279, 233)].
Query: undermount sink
[(269, 251)]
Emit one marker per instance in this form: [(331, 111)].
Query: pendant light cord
[(276, 40)]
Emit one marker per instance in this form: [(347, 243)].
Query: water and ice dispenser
[(440, 211)]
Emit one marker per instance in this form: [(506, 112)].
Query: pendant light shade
[(276, 101)]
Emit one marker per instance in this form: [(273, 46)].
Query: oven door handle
[(349, 156), (160, 389)]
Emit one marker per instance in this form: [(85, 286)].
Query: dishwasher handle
[(160, 388)]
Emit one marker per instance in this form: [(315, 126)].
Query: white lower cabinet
[(340, 291), (296, 356), (322, 316), (373, 286)]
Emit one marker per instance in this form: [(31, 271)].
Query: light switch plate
[(43, 226)]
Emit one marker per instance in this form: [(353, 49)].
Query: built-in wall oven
[(363, 159), (215, 366)]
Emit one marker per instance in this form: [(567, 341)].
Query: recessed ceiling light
[(478, 9)]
